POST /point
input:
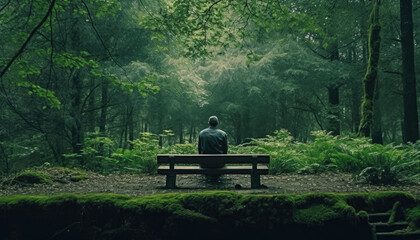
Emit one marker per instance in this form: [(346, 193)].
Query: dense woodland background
[(94, 79)]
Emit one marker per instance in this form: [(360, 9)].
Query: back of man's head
[(213, 121)]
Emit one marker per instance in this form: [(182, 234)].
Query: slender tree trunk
[(377, 117), (6, 159), (130, 124), (411, 126), (104, 113), (355, 112), (76, 128), (371, 72), (91, 106), (190, 139), (334, 111), (181, 133), (57, 156), (334, 97), (104, 108)]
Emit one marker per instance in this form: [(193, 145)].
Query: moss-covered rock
[(29, 177), (64, 175), (47, 176), (413, 217), (206, 215)]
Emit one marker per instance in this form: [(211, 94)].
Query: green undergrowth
[(206, 215), (369, 163)]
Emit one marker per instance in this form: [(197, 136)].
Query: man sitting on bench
[(212, 141)]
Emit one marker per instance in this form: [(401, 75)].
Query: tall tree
[(411, 125), (371, 72)]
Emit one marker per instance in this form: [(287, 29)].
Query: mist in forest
[(95, 78)]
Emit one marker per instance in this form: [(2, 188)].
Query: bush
[(371, 163)]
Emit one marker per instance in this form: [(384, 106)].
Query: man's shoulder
[(204, 131), (221, 131)]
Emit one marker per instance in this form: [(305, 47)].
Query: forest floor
[(138, 185)]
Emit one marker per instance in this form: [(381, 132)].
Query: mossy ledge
[(206, 215)]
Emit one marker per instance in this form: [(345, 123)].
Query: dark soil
[(137, 185)]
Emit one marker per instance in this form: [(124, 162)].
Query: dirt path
[(146, 185)]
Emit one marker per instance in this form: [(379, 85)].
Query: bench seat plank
[(262, 170), (213, 158), (235, 165)]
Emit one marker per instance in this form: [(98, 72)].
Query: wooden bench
[(236, 165)]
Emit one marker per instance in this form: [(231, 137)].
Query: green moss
[(397, 213), (379, 201), (189, 215), (316, 214), (413, 217), (64, 174), (29, 177)]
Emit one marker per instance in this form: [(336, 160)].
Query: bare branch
[(28, 39), (102, 41), (392, 72), (2, 8)]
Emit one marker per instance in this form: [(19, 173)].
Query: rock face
[(206, 215)]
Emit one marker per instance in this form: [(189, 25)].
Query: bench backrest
[(213, 158)]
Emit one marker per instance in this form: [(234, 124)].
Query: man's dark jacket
[(212, 141)]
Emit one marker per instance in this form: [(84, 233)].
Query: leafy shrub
[(180, 149), (95, 150), (371, 163), (140, 159)]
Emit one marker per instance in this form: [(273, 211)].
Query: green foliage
[(140, 159), (371, 163), (41, 92), (94, 153), (210, 27)]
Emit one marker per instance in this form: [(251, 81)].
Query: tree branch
[(28, 39), (392, 72), (102, 41), (2, 8)]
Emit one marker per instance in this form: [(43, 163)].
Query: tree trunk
[(334, 111), (104, 108), (6, 159), (371, 72), (76, 128), (334, 96), (181, 133), (130, 124), (377, 118), (91, 105), (190, 139), (411, 127), (355, 112)]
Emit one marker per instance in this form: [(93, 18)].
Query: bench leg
[(255, 181), (170, 181)]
